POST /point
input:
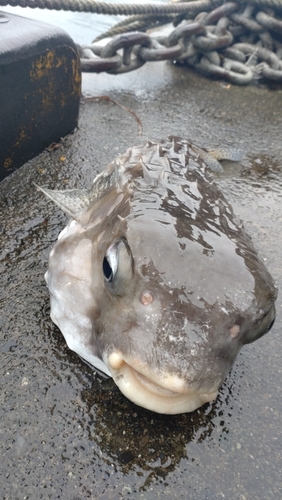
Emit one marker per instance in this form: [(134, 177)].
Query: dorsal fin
[(76, 201)]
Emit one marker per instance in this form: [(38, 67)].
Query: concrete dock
[(67, 433)]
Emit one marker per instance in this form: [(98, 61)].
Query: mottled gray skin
[(187, 288)]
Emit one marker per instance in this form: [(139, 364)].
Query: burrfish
[(154, 281)]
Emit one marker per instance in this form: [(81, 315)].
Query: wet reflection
[(133, 439)]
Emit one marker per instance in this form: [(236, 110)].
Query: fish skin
[(188, 289)]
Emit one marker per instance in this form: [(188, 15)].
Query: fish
[(154, 281)]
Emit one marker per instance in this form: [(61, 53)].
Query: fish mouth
[(159, 393)]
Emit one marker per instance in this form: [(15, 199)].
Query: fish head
[(157, 284)]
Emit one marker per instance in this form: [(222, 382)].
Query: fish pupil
[(107, 270)]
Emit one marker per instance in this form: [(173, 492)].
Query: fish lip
[(170, 395), (152, 386)]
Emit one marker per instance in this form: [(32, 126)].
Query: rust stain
[(43, 68), (44, 63), (23, 135), (76, 76), (8, 163), (55, 83)]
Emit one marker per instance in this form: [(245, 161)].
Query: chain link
[(238, 43)]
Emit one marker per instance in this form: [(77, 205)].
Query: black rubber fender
[(40, 86)]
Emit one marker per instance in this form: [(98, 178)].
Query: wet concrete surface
[(65, 431)]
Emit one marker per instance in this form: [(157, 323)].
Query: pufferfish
[(154, 281)]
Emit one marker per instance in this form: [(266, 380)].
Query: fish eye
[(117, 267), (110, 263)]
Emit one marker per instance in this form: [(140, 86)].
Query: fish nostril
[(234, 331), (147, 298), (115, 361)]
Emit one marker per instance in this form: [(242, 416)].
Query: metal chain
[(236, 43), (233, 41)]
